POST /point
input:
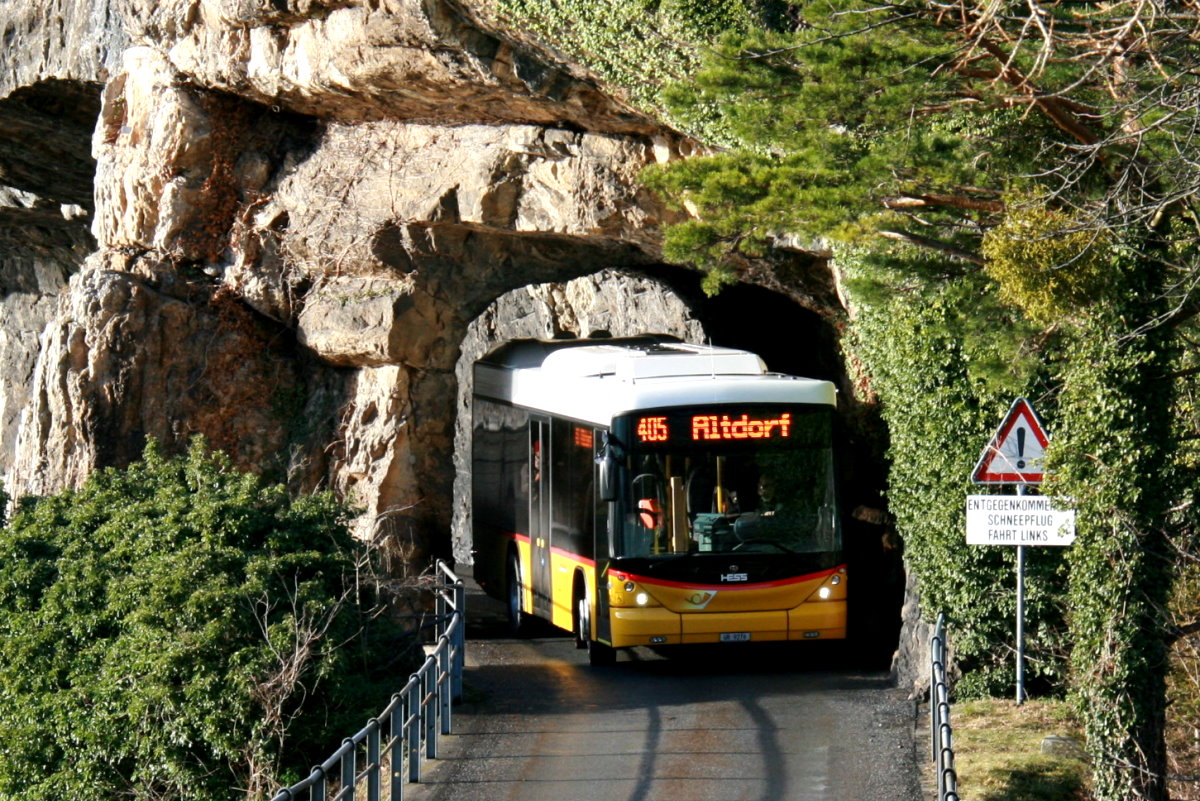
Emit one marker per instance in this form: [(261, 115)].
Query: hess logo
[(734, 577)]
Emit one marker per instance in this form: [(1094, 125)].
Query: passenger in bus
[(650, 513)]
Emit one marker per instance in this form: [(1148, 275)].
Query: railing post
[(396, 739), (444, 683), (430, 701), (348, 769), (459, 639), (373, 760), (317, 793), (440, 614), (413, 730)]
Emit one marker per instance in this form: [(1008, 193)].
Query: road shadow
[(754, 721)]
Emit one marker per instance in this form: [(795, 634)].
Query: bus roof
[(597, 380)]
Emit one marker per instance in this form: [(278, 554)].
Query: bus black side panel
[(540, 488), (499, 488), (573, 487), (603, 622)]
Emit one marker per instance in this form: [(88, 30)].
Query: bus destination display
[(708, 427)]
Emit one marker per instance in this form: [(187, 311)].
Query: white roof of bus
[(595, 381)]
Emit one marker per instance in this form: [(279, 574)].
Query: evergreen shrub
[(178, 629)]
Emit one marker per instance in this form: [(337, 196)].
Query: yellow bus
[(652, 492)]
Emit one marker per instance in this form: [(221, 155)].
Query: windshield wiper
[(758, 540), (654, 562)]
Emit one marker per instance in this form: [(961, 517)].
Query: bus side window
[(700, 486), (572, 476)]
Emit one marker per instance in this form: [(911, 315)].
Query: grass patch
[(998, 751)]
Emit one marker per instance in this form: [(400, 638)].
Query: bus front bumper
[(825, 620)]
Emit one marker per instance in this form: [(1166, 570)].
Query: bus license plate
[(736, 636)]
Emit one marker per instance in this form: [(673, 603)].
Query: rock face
[(272, 224), (291, 225)]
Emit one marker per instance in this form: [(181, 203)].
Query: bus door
[(602, 550), (539, 513)]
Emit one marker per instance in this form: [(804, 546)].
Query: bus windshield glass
[(721, 480)]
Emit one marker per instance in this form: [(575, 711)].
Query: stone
[(1057, 745), (429, 62), (112, 370), (291, 225)]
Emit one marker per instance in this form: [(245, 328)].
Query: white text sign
[(1018, 520)]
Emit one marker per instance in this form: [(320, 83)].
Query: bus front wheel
[(583, 620), (598, 653)]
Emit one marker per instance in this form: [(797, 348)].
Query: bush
[(167, 629)]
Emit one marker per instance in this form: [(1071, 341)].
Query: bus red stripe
[(583, 560), (621, 575)]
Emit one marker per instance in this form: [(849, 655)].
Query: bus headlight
[(630, 586), (824, 593), (642, 599)]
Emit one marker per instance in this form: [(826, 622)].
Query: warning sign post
[(1014, 456)]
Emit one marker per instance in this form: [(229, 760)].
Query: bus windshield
[(690, 489)]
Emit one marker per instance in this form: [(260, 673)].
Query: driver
[(768, 501), (759, 523)]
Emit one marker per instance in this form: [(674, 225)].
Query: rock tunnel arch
[(363, 247)]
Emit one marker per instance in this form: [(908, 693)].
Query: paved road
[(769, 724)]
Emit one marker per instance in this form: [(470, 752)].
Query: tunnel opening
[(46, 177), (790, 339)]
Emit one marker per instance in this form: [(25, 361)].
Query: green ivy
[(1116, 434), (642, 46), (942, 395)]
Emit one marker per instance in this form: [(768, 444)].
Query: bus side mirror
[(608, 476), (608, 464)]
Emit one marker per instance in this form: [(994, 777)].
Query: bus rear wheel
[(516, 617)]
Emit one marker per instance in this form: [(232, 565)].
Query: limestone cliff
[(285, 224)]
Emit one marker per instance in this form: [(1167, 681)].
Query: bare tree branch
[(933, 244), (944, 201)]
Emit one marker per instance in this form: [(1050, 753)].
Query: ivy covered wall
[(943, 394), (1012, 201)]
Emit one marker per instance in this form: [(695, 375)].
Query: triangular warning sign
[(1017, 450)]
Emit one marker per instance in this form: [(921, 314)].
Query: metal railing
[(941, 735), (408, 726)]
